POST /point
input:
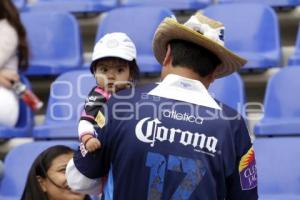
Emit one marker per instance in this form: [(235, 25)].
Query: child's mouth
[(110, 85)]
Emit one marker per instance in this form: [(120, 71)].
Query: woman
[(13, 58), (46, 179)]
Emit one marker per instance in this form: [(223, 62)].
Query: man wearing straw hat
[(172, 140)]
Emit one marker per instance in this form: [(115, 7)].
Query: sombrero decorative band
[(202, 31), (215, 34)]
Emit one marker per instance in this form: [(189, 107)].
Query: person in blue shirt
[(172, 140)]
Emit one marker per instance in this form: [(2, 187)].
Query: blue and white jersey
[(169, 141)]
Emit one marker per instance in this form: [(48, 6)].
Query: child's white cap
[(117, 45)]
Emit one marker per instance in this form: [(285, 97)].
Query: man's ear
[(168, 57), (42, 183)]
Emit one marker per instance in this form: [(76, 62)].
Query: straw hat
[(200, 30)]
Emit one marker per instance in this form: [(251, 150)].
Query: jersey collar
[(184, 89)]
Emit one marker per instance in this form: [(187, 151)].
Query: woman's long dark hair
[(33, 190), (9, 12)]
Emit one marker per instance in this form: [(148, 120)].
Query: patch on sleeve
[(100, 119), (247, 170)]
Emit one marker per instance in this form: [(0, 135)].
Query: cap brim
[(106, 54), (169, 30), (115, 54)]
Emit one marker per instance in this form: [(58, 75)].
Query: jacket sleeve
[(94, 103), (92, 114), (242, 183)]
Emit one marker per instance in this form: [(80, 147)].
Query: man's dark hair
[(192, 56)]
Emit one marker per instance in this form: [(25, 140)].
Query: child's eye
[(103, 69), (120, 70)]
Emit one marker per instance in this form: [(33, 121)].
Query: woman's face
[(56, 173)]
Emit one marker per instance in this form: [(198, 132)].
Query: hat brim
[(169, 30)]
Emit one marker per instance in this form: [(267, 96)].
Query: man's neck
[(188, 73)]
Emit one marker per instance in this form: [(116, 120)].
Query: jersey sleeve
[(242, 183)]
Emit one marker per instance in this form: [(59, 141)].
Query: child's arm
[(94, 104), (90, 118), (87, 136)]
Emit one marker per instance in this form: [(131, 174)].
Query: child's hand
[(92, 144)]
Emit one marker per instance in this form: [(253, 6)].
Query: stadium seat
[(230, 91), (258, 41), (55, 42), (20, 4), (24, 125), (18, 163), (67, 96), (275, 3), (171, 4), (76, 6), (140, 24), (295, 58), (278, 168), (282, 105)]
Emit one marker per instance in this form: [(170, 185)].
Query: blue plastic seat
[(140, 24), (282, 104), (55, 42), (24, 125), (67, 96), (171, 4), (18, 163), (77, 6), (20, 4), (275, 3), (258, 41), (229, 90), (278, 167), (295, 58)]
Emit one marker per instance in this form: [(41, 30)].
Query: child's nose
[(110, 74)]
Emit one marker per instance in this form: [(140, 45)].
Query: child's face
[(112, 74)]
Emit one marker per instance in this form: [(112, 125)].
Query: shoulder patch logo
[(100, 119), (247, 170)]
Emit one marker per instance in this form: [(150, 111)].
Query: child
[(114, 67)]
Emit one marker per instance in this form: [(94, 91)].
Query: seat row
[(276, 162), (56, 44), (69, 90), (105, 5)]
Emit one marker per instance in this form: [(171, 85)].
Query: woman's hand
[(8, 77)]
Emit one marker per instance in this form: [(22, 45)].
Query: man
[(172, 140)]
